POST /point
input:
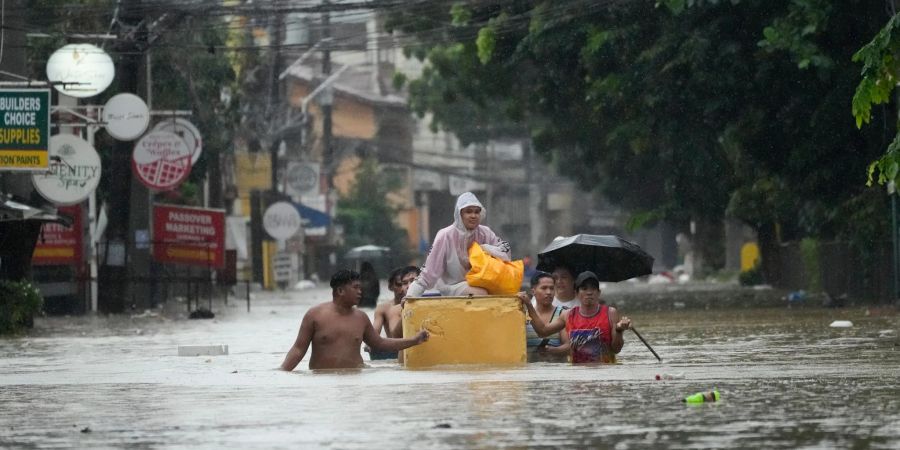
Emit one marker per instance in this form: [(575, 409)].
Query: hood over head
[(465, 199)]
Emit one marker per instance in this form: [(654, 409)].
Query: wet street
[(786, 378)]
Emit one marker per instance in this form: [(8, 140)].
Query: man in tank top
[(595, 330)]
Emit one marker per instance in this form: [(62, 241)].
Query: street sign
[(126, 116), (161, 160), (60, 245), (80, 70), (74, 172), (283, 267), (281, 220), (302, 178), (186, 131), (24, 129), (192, 236)]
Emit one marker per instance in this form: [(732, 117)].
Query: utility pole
[(275, 96), (328, 163), (128, 206), (327, 151)]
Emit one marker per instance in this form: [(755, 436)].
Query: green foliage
[(795, 33), (367, 215), (398, 80), (460, 15), (20, 301), (809, 251), (486, 42), (752, 277), (879, 77), (683, 110), (879, 72)]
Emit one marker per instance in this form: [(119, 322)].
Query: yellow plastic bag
[(495, 275)]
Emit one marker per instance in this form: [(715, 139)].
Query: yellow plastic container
[(465, 330)]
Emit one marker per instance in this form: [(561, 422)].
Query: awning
[(312, 218), (11, 210)]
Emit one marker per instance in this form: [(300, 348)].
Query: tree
[(880, 73), (367, 215), (684, 113)]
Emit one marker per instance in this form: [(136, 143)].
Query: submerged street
[(787, 380)]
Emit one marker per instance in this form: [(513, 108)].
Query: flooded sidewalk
[(787, 380)]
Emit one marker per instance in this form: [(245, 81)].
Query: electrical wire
[(2, 27), (425, 37)]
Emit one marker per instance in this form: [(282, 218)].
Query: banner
[(186, 235), (58, 245)]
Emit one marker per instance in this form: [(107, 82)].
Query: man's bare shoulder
[(321, 308), (360, 314), (383, 307)]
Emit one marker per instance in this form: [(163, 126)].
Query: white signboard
[(187, 132), (74, 171), (80, 70), (427, 180), (458, 185), (161, 160), (281, 220), (283, 267), (302, 178), (126, 116)]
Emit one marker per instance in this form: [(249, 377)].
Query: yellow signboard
[(749, 256), (24, 129)]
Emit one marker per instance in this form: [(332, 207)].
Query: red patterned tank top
[(591, 337)]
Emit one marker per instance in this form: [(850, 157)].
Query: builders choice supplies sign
[(193, 236), (24, 129)]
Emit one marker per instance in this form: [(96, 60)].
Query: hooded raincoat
[(448, 261)]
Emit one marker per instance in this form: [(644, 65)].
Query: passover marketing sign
[(192, 236), (24, 129)]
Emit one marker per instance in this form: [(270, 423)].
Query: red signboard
[(59, 245), (185, 235)]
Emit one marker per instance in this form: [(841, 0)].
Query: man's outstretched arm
[(298, 350), (542, 329), (376, 342)]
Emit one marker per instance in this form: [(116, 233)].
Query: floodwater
[(787, 380)]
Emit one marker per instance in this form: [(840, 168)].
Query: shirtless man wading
[(388, 314), (336, 329)]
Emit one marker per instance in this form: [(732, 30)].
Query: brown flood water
[(787, 380)]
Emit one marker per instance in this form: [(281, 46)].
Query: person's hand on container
[(422, 336), (524, 298)]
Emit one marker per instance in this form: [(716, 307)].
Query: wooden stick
[(645, 343)]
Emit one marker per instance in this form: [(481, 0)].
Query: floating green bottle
[(703, 397)]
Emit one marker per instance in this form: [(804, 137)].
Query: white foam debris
[(202, 350), (841, 324)]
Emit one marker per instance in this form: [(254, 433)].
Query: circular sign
[(126, 116), (303, 178), (187, 131), (281, 220), (80, 70), (74, 171), (161, 160)]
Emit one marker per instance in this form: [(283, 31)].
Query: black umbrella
[(610, 257)]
